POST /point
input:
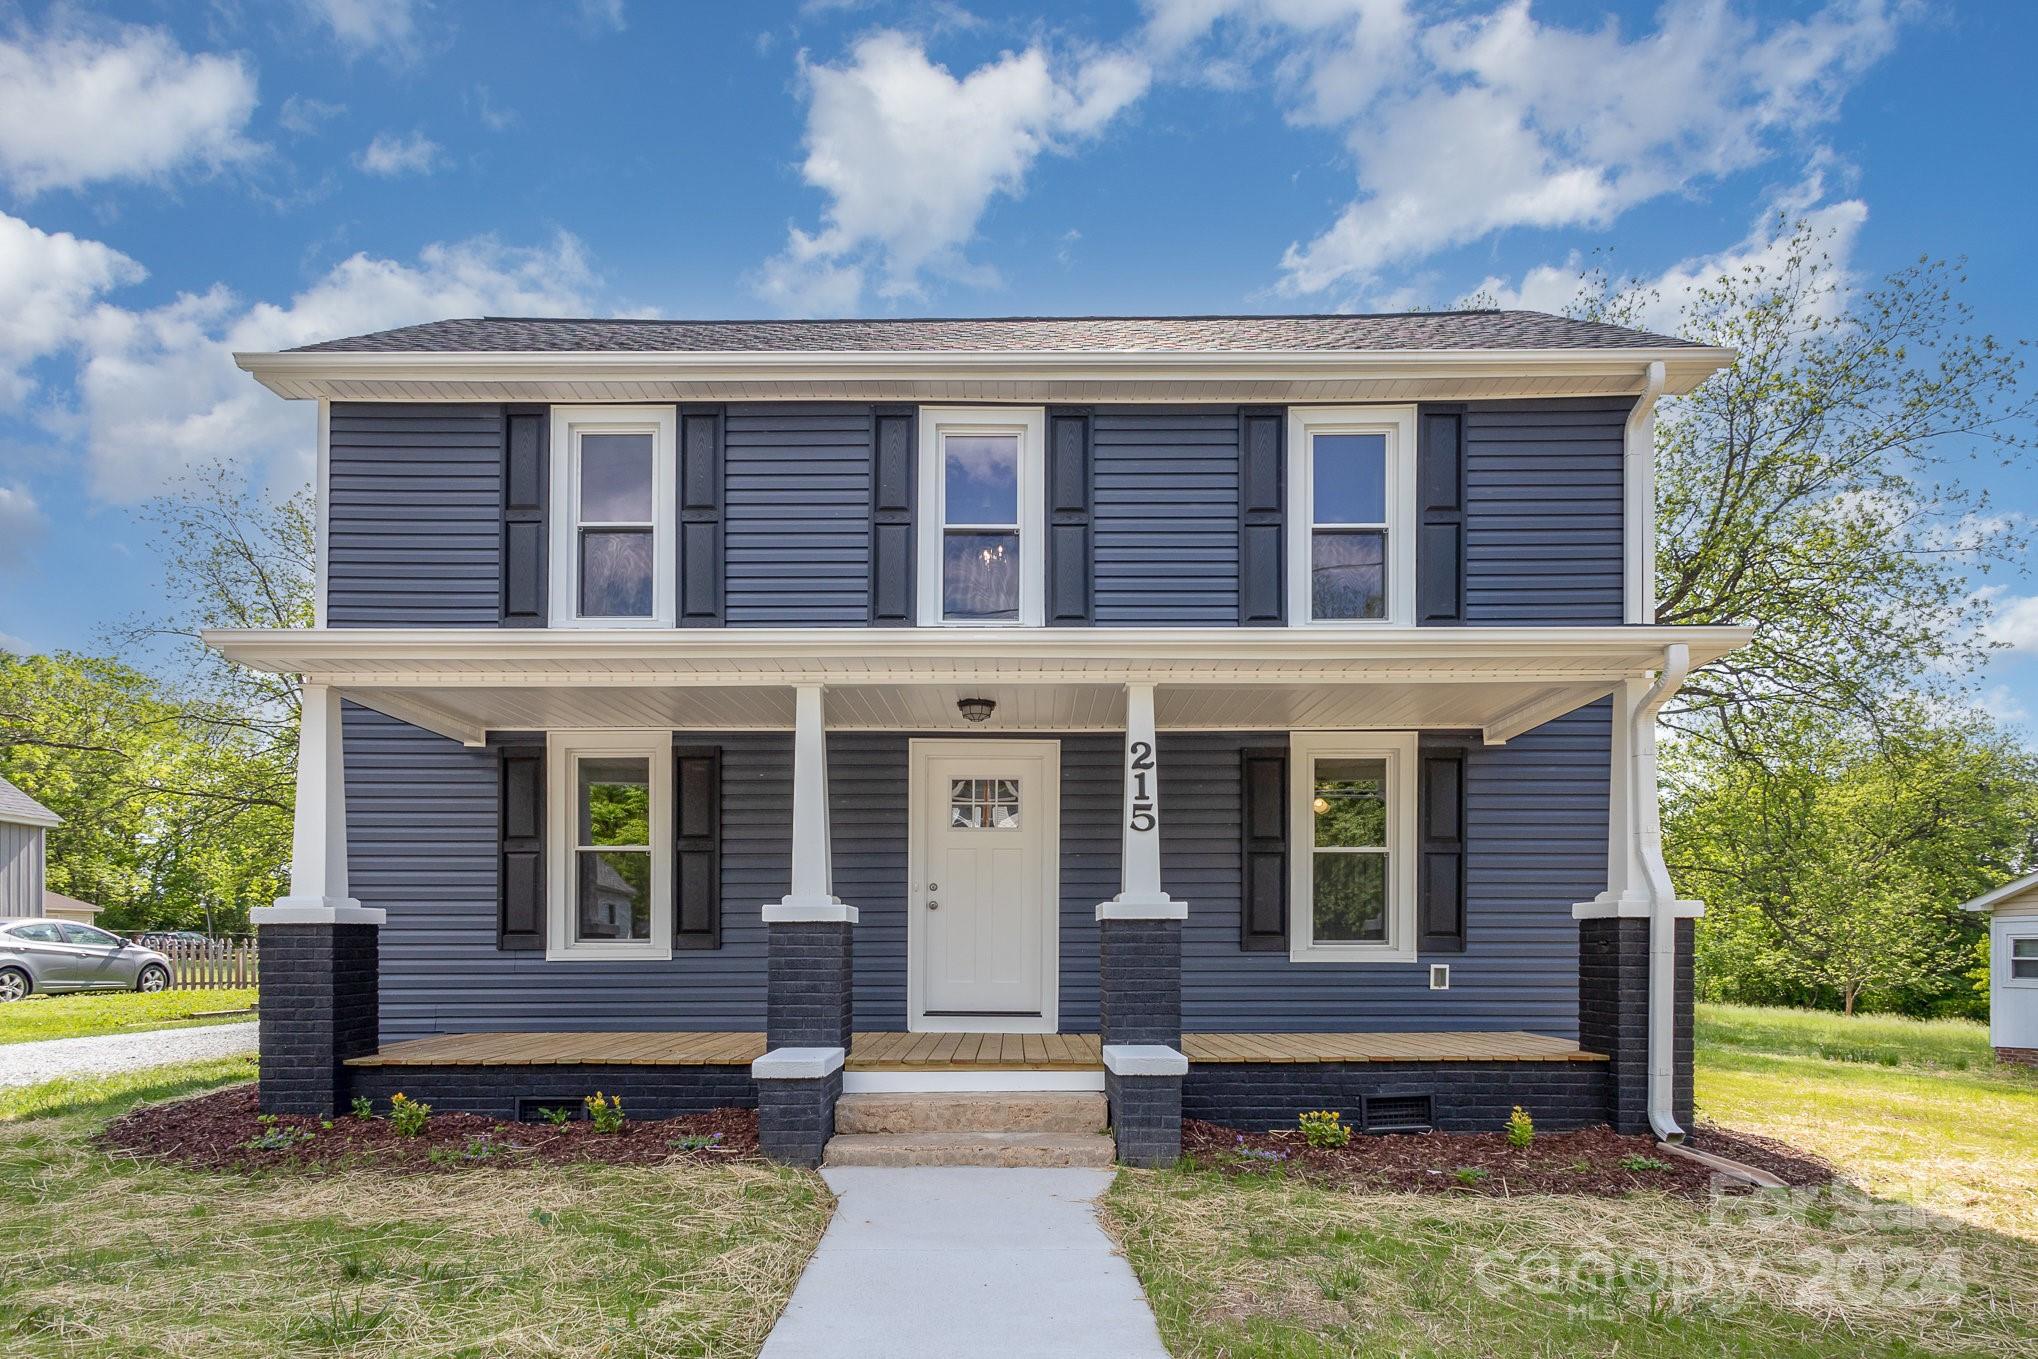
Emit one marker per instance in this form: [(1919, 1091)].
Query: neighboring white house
[(23, 822), (2013, 968)]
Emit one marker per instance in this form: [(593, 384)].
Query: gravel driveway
[(27, 1063)]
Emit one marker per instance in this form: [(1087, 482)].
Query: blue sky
[(180, 180)]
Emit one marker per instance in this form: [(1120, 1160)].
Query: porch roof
[(467, 682)]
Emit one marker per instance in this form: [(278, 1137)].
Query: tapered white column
[(318, 855), (813, 876), (1636, 877), (1140, 896)]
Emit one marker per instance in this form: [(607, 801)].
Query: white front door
[(984, 895)]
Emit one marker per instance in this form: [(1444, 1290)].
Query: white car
[(54, 956)]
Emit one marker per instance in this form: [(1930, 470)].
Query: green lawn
[(1912, 1110), (101, 1256), (85, 1013), (1265, 1267)]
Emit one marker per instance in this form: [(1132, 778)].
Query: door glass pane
[(1349, 473), (38, 934), (1349, 899), (615, 573), (982, 478), (88, 937), (983, 804), (980, 576), (613, 900), (1350, 803), (1348, 574), (615, 478), (615, 802)]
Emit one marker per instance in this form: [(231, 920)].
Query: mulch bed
[(1587, 1161), (1787, 1163), (214, 1132)]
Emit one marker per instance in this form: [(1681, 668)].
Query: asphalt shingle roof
[(19, 807), (1459, 330)]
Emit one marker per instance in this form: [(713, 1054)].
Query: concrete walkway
[(109, 1054), (954, 1263)]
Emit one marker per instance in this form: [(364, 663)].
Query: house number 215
[(1139, 764)]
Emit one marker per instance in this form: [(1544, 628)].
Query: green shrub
[(1471, 1174), (1325, 1128), (407, 1115), (558, 1117), (363, 1107), (1521, 1129), (1640, 1163)]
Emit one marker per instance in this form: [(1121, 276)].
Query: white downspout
[(1647, 821)]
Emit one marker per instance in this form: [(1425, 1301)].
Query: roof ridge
[(1043, 316)]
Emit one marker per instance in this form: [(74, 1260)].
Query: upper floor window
[(612, 495), (980, 515), (1351, 546)]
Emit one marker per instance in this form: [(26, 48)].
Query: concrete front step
[(1091, 1150), (973, 1111)]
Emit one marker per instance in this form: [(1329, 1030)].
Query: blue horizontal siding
[(1165, 521), (414, 524), (422, 820), (797, 515), (1543, 507)]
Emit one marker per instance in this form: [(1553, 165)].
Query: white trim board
[(988, 1080)]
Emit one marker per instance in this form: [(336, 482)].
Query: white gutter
[(1638, 454), (1663, 904)]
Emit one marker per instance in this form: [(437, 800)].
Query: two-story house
[(1228, 715)]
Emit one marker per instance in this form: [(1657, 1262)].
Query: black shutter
[(1440, 849), (1263, 821), (891, 515), (697, 847), (1440, 515), (525, 477), (520, 911), (1262, 568), (1069, 595), (701, 434)]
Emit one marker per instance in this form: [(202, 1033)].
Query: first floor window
[(2024, 959), (1353, 872), (611, 836)]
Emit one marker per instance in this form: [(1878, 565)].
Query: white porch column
[(1636, 876), (1140, 896), (813, 876), (318, 855)]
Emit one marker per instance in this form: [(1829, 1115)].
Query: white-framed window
[(609, 844), (1352, 855), (613, 553), (1351, 489), (2021, 960), (982, 515)]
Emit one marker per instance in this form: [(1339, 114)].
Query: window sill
[(1349, 953), (608, 953)]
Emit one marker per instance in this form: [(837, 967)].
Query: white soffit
[(1273, 377)]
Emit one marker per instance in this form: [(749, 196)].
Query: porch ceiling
[(465, 683)]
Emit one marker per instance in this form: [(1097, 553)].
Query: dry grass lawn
[(100, 1256)]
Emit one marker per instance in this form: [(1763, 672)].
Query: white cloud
[(21, 523), (19, 646), (1463, 126), (392, 154), (2013, 620), (2004, 706), (156, 391), (910, 157), (1836, 225), (49, 284), (303, 115), (79, 107), (389, 27)]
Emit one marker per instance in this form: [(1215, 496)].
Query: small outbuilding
[(23, 824), (2013, 968)]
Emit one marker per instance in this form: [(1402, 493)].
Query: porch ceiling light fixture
[(975, 709)]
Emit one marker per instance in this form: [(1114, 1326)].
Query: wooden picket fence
[(213, 965)]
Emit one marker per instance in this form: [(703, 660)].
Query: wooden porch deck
[(965, 1051)]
